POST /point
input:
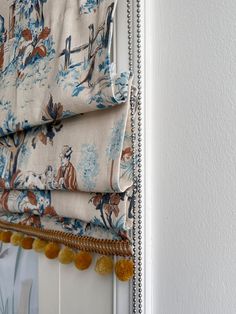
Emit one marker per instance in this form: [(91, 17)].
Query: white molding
[(150, 148)]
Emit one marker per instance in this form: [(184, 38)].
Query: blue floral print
[(89, 6), (116, 140), (88, 166)]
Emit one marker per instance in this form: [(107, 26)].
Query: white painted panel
[(84, 291), (63, 289), (48, 286), (123, 305)]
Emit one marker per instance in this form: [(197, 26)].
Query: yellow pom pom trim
[(104, 265), (124, 269), (39, 245), (17, 238), (83, 260), (66, 256), (6, 236), (27, 243), (52, 250)]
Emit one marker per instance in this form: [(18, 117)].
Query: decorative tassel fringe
[(124, 268), (89, 244)]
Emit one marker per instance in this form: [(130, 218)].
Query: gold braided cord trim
[(89, 244)]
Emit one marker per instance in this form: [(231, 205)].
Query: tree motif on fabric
[(31, 42), (88, 166), (108, 205), (15, 146)]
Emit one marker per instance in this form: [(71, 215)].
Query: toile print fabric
[(58, 49), (65, 135), (67, 225), (106, 210), (89, 153)]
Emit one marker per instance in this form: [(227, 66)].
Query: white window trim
[(151, 113)]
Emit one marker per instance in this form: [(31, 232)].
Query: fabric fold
[(56, 49), (64, 224), (89, 153), (109, 211)]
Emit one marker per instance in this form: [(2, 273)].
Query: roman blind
[(66, 157)]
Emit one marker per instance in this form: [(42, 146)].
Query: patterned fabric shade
[(65, 136)]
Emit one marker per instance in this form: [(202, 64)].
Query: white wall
[(193, 123)]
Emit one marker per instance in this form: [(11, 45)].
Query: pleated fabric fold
[(56, 49), (89, 153), (107, 210)]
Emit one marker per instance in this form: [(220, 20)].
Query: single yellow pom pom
[(52, 250), (27, 243), (39, 245), (83, 260), (17, 238), (6, 236), (124, 269), (104, 265), (66, 256)]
